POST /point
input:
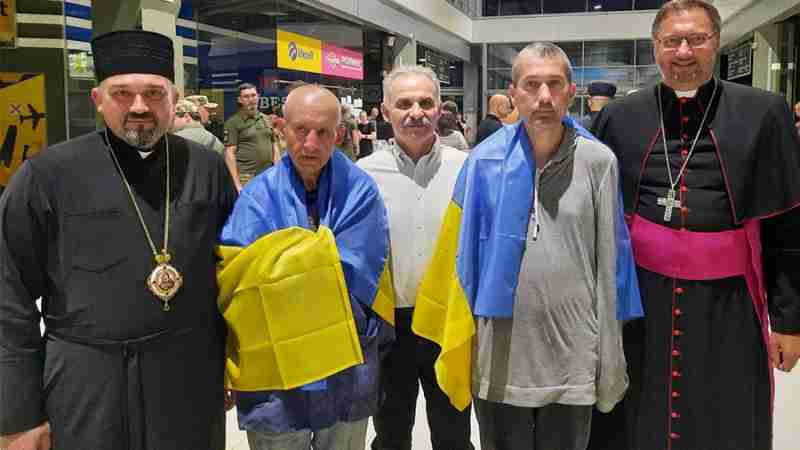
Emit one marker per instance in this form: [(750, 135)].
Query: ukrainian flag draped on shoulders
[(475, 267), (291, 296)]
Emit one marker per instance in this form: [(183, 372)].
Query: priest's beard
[(139, 136)]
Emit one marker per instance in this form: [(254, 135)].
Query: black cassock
[(698, 363), (114, 371)]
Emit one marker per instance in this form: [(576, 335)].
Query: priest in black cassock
[(114, 231), (711, 185)]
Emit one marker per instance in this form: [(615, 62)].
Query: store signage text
[(298, 52)]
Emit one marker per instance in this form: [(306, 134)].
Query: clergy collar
[(432, 157), (702, 94)]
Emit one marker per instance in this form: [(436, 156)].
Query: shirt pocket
[(94, 240)]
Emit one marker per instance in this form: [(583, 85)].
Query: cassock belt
[(132, 408), (689, 255)]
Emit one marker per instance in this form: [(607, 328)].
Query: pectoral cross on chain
[(669, 202)]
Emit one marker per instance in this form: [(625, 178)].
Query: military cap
[(602, 89), (185, 107), (201, 100)]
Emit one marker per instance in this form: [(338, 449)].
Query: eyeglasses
[(694, 40)]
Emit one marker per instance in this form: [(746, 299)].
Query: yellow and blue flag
[(287, 292), (475, 267)]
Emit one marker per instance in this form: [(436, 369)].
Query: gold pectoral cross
[(669, 202)]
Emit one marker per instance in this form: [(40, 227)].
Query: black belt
[(132, 409)]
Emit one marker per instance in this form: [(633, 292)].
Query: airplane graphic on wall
[(34, 116)]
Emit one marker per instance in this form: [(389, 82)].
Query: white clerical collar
[(145, 154), (689, 94)]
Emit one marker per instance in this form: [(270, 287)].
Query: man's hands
[(230, 399), (784, 350), (34, 439)]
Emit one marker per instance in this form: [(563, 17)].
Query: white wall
[(623, 25), (440, 13)]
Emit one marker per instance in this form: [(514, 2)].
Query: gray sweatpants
[(551, 427)]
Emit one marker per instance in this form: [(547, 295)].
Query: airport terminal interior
[(47, 73)]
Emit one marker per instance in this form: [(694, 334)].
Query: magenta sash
[(692, 255)]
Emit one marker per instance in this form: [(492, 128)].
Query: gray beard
[(141, 138)]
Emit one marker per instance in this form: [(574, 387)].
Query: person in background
[(209, 115), (349, 141), (452, 107), (600, 94), (367, 135), (797, 117), (449, 134), (499, 108), (383, 133), (187, 125), (250, 142)]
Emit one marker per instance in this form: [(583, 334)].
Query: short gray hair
[(543, 50), (401, 71), (675, 6)]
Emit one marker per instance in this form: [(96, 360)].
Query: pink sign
[(341, 62)]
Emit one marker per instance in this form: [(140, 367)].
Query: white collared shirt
[(416, 198)]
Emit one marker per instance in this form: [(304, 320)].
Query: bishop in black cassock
[(718, 257), (114, 370)]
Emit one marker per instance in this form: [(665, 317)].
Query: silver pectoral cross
[(669, 202)]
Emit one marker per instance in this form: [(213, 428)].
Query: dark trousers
[(409, 363), (551, 427)]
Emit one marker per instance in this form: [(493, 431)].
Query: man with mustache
[(115, 232), (709, 172), (251, 143), (416, 178)]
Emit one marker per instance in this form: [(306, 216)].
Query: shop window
[(647, 76), (648, 4), (519, 7), (610, 5), (622, 77), (644, 52), (499, 78), (563, 6), (574, 51), (502, 55), (609, 53)]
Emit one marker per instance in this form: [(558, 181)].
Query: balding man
[(301, 293), (499, 107)]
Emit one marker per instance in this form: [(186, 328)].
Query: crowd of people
[(624, 281)]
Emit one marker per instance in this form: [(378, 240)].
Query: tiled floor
[(787, 419)]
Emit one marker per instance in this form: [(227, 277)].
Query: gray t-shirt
[(564, 343)]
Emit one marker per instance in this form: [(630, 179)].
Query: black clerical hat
[(602, 88), (133, 51)]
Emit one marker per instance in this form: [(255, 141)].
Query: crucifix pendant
[(165, 280), (669, 202)]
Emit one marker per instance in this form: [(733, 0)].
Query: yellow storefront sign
[(8, 23), (298, 52), (23, 122)]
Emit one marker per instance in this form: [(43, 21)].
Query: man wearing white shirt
[(416, 177)]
